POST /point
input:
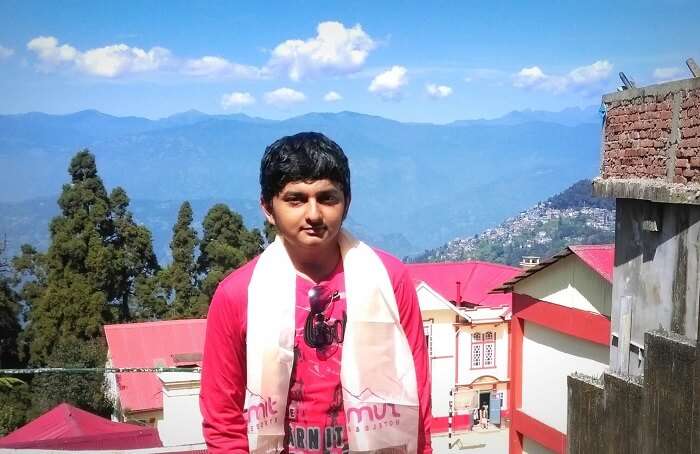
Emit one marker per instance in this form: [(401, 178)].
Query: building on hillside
[(467, 333), (168, 401), (560, 325), (649, 400)]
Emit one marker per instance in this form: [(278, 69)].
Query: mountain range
[(415, 185)]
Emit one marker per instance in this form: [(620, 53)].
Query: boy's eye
[(293, 200), (330, 199)]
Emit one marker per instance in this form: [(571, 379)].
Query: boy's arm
[(222, 394), (412, 323)]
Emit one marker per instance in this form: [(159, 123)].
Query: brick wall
[(653, 133), (687, 167)]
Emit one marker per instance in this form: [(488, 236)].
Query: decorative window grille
[(476, 356), (483, 350), (489, 355)]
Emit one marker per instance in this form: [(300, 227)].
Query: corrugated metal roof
[(147, 345), (600, 258), (476, 279)]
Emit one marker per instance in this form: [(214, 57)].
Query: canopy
[(69, 428)]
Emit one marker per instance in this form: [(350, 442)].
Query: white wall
[(466, 374), (182, 420), (530, 446), (548, 357), (571, 283)]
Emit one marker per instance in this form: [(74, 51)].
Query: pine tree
[(9, 315), (134, 258), (181, 275), (226, 245)]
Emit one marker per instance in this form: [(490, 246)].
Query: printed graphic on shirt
[(315, 417)]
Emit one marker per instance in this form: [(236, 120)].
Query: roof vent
[(529, 261)]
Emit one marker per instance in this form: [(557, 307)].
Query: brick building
[(647, 401)]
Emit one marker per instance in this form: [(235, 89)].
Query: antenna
[(626, 83)]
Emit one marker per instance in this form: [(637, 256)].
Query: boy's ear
[(267, 210)]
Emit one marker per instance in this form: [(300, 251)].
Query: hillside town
[(537, 230)]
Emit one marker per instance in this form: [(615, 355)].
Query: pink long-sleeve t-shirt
[(222, 394)]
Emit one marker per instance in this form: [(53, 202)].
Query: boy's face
[(308, 215)]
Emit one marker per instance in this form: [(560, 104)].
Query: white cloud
[(667, 74), (215, 67), (50, 53), (332, 96), (119, 59), (109, 61), (6, 52), (528, 77), (581, 78), (438, 91), (334, 50), (591, 74), (389, 83), (237, 100), (284, 96)]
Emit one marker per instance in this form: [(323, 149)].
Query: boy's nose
[(313, 214)]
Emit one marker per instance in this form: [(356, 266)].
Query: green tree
[(15, 399), (87, 391), (9, 315), (269, 232), (14, 394), (80, 265), (133, 257), (181, 276), (226, 245)]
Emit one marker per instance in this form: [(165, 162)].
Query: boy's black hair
[(307, 156)]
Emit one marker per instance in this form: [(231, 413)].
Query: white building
[(467, 333), (560, 325)]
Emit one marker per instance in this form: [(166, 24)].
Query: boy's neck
[(315, 265)]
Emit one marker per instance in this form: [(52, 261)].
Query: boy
[(317, 344)]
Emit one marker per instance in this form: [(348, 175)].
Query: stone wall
[(621, 415)]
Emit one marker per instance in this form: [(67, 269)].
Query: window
[(427, 332), (483, 350)]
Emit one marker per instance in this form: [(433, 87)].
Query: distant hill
[(415, 186), (573, 216), (572, 116)]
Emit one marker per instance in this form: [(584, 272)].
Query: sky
[(431, 62)]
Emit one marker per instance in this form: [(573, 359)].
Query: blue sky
[(411, 61)]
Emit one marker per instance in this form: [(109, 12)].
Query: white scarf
[(380, 395)]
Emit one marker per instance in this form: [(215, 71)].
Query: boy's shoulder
[(394, 266), (235, 284)]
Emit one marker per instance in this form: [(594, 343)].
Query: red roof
[(601, 258), (465, 282), (152, 344), (69, 428)]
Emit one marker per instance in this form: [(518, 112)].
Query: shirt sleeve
[(222, 394), (412, 323)]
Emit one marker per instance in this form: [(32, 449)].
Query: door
[(494, 408)]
